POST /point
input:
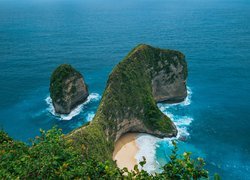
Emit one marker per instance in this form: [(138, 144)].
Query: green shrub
[(51, 157)]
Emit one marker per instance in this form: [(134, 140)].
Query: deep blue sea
[(94, 35)]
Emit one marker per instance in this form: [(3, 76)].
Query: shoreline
[(125, 151)]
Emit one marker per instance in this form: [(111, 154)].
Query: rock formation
[(67, 89), (146, 76), (169, 84)]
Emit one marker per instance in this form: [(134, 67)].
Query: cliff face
[(146, 76), (67, 89), (169, 84)]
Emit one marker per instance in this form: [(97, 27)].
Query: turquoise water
[(94, 35)]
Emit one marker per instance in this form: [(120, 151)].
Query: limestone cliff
[(169, 84), (67, 89), (129, 103)]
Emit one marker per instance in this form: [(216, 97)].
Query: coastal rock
[(169, 85), (147, 75), (67, 89)]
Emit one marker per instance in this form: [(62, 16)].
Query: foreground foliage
[(51, 157)]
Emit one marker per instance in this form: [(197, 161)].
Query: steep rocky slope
[(67, 89), (146, 76)]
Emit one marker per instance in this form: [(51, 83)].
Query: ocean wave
[(91, 98), (147, 147), (90, 116), (181, 123), (186, 102)]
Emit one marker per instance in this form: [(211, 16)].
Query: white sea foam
[(147, 144), (92, 97), (90, 116), (187, 101), (181, 122), (147, 147)]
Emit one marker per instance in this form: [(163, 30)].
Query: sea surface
[(94, 35)]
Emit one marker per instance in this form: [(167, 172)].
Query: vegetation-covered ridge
[(128, 103), (51, 157)]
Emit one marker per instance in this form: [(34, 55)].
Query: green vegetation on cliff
[(61, 73), (128, 94), (128, 99)]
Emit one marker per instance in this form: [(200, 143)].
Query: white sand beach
[(125, 151)]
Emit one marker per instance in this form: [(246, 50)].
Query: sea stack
[(67, 89), (147, 75)]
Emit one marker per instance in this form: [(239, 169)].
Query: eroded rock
[(67, 89)]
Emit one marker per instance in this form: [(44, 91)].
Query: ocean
[(94, 35)]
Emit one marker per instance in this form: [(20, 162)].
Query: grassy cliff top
[(128, 93), (58, 77), (128, 96)]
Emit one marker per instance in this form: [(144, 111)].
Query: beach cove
[(125, 151), (214, 36)]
